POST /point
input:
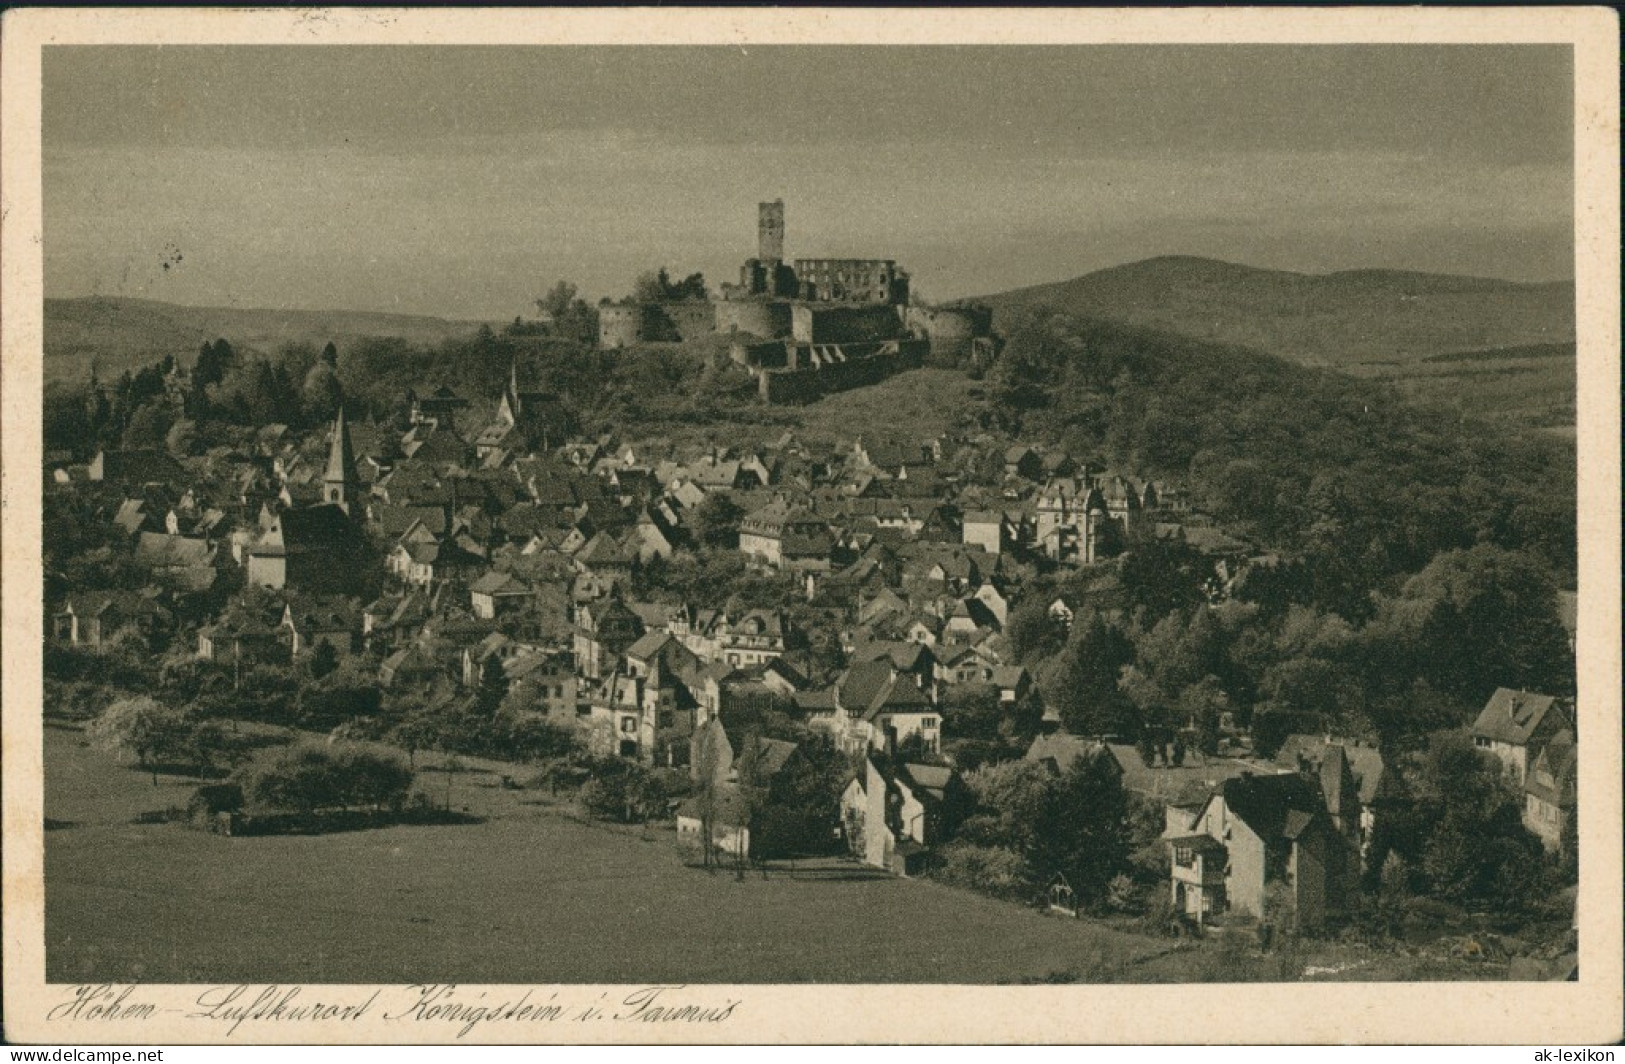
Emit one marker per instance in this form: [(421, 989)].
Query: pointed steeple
[(513, 387), (340, 484)]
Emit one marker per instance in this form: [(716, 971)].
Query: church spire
[(340, 485)]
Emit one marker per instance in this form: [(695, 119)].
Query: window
[(629, 725), (928, 723)]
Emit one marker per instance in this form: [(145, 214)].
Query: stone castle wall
[(765, 318), (811, 371), (627, 323), (845, 324), (619, 324)]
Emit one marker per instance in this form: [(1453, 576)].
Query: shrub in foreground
[(312, 777)]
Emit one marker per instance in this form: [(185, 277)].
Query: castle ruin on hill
[(807, 327)]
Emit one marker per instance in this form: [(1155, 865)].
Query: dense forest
[(1416, 561), (1361, 484)]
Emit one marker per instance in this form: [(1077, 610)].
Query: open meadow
[(529, 895), (1517, 389), (532, 894)]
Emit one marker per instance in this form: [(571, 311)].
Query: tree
[(182, 438), (558, 300), (1477, 619), (214, 361), (572, 318), (1033, 631), (148, 426), (1075, 823), (658, 287), (650, 287), (323, 660), (372, 777), (712, 758), (716, 522), (154, 732), (530, 738), (1084, 827), (1162, 575), (330, 355), (808, 790), (1010, 802), (322, 394), (69, 421), (415, 731), (1477, 847), (1180, 651), (622, 790), (971, 711), (691, 287), (493, 687), (311, 777), (1084, 688), (1202, 706)]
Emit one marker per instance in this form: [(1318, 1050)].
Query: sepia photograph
[(712, 514)]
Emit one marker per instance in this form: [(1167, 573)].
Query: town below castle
[(1042, 673)]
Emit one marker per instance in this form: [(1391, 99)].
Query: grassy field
[(530, 895), (533, 894), (915, 405), (1520, 389)]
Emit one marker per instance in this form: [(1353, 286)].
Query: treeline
[(1146, 657), (157, 407), (1340, 472)]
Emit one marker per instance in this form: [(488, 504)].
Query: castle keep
[(808, 326)]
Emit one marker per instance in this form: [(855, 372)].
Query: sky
[(464, 181)]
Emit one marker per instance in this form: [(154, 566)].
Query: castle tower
[(770, 231), (340, 485)]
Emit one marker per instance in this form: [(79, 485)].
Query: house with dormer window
[(1516, 725)]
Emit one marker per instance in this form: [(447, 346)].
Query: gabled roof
[(314, 528), (1512, 716), (1008, 675), (498, 583), (900, 696), (1274, 807), (393, 520), (770, 756), (927, 781), (648, 645), (1364, 761), (862, 684), (1552, 778), (906, 655), (1060, 750)]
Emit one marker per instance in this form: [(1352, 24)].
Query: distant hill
[(120, 334), (1334, 319)]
